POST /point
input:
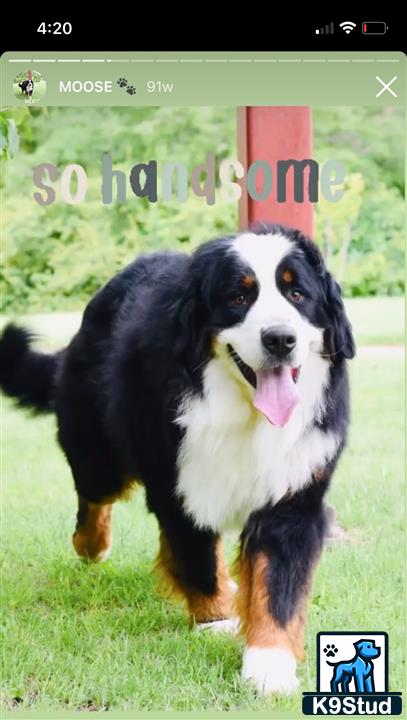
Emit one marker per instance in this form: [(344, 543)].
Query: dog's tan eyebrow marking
[(288, 276), (248, 281)]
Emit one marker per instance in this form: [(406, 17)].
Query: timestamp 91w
[(159, 86)]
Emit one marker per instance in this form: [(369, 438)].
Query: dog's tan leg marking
[(202, 608), (271, 651), (92, 538)]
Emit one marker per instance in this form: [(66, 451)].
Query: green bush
[(55, 257), (58, 256)]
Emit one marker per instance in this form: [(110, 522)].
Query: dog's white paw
[(104, 554), (271, 670), (89, 553), (231, 625)]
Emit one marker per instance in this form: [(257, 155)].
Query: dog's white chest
[(232, 461)]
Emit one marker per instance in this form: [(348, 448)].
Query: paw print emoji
[(122, 82), (330, 650), (131, 90)]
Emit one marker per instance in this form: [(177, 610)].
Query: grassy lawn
[(377, 320), (82, 637)]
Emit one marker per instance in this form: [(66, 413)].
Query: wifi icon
[(347, 26)]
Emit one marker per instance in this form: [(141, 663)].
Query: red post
[(272, 134)]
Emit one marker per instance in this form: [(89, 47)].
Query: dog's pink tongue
[(276, 395)]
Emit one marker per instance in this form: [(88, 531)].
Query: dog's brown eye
[(296, 296), (240, 300)]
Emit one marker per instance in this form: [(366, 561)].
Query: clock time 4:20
[(56, 28)]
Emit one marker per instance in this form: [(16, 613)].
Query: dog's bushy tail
[(25, 374)]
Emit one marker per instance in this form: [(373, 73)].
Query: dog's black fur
[(144, 341), (27, 87)]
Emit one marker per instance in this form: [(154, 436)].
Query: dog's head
[(266, 301), (367, 649)]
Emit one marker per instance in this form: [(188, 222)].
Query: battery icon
[(374, 28)]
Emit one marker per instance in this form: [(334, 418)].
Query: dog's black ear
[(186, 320), (203, 276), (189, 329), (338, 339)]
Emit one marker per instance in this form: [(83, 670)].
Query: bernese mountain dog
[(218, 381), (27, 87)]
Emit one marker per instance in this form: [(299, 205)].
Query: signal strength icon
[(347, 26), (327, 30)]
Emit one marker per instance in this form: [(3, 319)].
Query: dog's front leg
[(369, 684), (280, 546), (359, 676)]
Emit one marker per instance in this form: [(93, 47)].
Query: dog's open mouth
[(276, 394)]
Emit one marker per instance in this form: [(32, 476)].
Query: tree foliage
[(57, 256)]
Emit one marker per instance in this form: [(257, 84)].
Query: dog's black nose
[(279, 341)]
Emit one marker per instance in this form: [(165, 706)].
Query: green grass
[(377, 320), (83, 637)]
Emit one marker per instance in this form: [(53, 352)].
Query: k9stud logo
[(352, 676)]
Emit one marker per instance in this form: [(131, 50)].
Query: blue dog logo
[(360, 669), (359, 686)]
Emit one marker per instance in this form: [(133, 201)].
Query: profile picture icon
[(29, 87)]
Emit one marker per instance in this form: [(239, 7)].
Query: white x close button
[(386, 86)]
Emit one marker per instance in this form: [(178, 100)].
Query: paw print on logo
[(330, 650), (131, 90), (122, 82)]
